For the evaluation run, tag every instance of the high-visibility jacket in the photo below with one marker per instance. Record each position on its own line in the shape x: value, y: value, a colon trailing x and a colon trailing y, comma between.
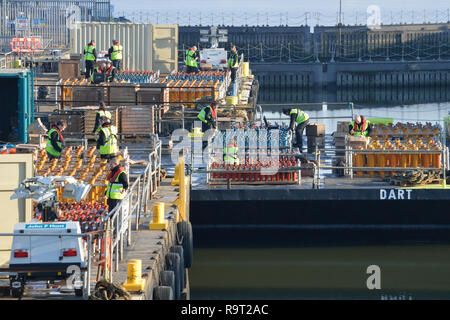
x: 49, y: 147
x: 105, y: 114
x: 233, y: 60
x: 190, y: 58
x: 96, y: 70
x: 361, y: 129
x: 110, y: 146
x: 114, y: 189
x: 89, y: 52
x: 202, y: 114
x: 116, y: 53
x: 301, y: 115
x: 109, y: 73
x: 230, y: 155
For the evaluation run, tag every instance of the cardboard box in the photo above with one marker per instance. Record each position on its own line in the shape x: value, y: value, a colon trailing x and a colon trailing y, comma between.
x: 315, y: 129
x: 339, y: 139
x: 358, y: 141
x: 307, y: 172
x: 205, y: 66
x: 342, y: 126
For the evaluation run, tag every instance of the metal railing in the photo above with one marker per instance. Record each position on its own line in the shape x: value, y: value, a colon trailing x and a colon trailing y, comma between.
x: 6, y: 59
x: 135, y: 203
x: 117, y: 222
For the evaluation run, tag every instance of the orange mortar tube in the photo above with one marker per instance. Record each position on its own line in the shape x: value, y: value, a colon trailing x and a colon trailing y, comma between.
x: 414, y: 159
x: 437, y: 159
x: 359, y: 161
x: 381, y: 162
x: 426, y: 159
x: 371, y: 162
x: 404, y: 159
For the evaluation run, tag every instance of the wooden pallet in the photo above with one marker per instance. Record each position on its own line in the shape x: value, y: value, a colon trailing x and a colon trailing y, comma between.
x: 137, y: 119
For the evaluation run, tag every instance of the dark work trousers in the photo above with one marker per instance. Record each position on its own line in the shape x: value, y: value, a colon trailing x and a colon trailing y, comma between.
x: 51, y: 157
x: 233, y: 74
x: 205, y: 127
x: 89, y: 68
x: 107, y: 156
x: 299, y: 134
x: 112, y: 203
x: 117, y: 64
x: 190, y: 69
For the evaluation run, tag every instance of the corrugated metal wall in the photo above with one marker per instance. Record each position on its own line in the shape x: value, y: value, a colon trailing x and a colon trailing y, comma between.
x: 165, y: 48
x: 145, y: 46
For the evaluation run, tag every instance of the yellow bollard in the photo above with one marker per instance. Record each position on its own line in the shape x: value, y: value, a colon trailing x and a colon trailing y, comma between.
x: 158, y: 222
x: 134, y: 276
x: 176, y: 177
x: 246, y: 69
x: 180, y: 202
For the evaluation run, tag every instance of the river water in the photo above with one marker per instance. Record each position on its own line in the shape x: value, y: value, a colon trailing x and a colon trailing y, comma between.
x: 412, y: 271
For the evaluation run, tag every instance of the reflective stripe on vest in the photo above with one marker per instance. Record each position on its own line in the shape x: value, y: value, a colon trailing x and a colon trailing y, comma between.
x: 116, y: 53
x: 230, y: 155
x: 49, y: 148
x: 301, y: 115
x: 96, y: 70
x: 202, y: 114
x: 89, y: 55
x: 110, y: 146
x: 190, y: 61
x: 114, y: 190
x: 360, y: 130
x: 109, y: 71
x: 233, y: 60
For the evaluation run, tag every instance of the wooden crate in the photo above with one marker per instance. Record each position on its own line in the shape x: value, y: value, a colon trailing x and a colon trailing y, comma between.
x: 75, y: 122
x: 137, y: 119
x: 153, y: 93
x: 87, y: 96
x: 69, y: 69
x: 90, y: 113
x: 122, y: 94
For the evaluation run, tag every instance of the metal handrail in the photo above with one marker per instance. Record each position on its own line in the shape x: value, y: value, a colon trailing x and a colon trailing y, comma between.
x: 134, y: 203
x: 4, y: 60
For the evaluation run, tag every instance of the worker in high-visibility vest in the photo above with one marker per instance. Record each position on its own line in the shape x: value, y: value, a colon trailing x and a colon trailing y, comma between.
x: 360, y: 126
x: 101, y: 112
x: 208, y: 116
x: 299, y: 119
x: 191, y: 60
x: 55, y: 140
x: 233, y: 62
x: 115, y: 54
x: 90, y: 57
x: 230, y: 153
x: 110, y: 72
x: 100, y: 70
x: 107, y: 140
x: 117, y: 184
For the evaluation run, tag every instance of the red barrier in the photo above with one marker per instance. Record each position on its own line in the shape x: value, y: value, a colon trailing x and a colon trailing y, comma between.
x: 23, y: 45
